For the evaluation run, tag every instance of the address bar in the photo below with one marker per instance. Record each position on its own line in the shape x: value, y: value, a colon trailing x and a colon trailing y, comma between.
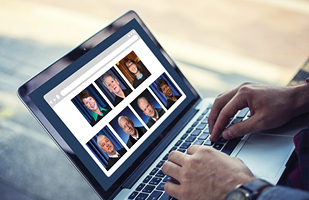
x: 91, y: 71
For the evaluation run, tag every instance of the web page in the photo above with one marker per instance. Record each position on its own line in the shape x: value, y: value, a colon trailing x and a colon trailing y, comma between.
x: 116, y: 101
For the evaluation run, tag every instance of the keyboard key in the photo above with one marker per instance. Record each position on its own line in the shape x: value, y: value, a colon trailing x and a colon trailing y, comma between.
x: 153, y: 171
x: 147, y: 179
x: 236, y: 120
x: 160, y: 163
x: 140, y: 187
x: 242, y: 113
x: 165, y: 157
x: 205, y: 121
x: 160, y: 186
x: 133, y: 195
x: 149, y: 188
x: 200, y: 118
x: 141, y: 196
x: 185, y: 145
x: 155, y: 195
x: 203, y: 136
x: 173, y: 148
x: 230, y: 146
x: 178, y: 143
x: 181, y: 150
x: 165, y: 196
x: 195, y: 124
x: 160, y: 174
x: 201, y: 126
x: 208, y: 142
x: 205, y: 112
x: 198, y: 142
x: 218, y: 146
x: 167, y: 178
x: 184, y: 136
x: 196, y: 132
x: 189, y: 130
x: 190, y: 139
x: 206, y: 130
x: 221, y: 140
x: 155, y: 181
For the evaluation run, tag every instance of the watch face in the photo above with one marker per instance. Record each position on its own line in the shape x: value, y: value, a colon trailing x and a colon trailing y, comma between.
x: 236, y: 195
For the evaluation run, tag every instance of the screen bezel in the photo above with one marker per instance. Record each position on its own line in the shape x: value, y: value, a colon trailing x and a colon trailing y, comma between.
x: 55, y: 68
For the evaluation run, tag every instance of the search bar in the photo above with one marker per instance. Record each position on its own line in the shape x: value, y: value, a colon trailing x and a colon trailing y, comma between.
x: 95, y: 68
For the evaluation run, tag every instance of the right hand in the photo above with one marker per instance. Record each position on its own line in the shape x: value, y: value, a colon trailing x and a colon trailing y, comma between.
x: 270, y: 107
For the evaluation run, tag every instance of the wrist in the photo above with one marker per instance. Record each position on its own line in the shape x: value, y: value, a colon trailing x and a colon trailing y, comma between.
x: 300, y: 95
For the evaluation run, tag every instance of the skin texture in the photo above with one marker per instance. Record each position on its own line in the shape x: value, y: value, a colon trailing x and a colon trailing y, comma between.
x: 270, y: 107
x: 203, y: 173
x: 147, y: 108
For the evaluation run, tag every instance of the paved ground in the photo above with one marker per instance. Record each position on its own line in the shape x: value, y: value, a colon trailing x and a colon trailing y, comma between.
x: 227, y: 41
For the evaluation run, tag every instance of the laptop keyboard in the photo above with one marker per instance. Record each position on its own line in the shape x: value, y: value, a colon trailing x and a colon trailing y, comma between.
x: 152, y: 187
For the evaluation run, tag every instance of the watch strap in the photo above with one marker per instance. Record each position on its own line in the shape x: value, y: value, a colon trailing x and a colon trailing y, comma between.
x: 255, y: 187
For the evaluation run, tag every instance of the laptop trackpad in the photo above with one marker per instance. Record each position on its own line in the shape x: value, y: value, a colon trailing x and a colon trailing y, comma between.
x: 265, y: 155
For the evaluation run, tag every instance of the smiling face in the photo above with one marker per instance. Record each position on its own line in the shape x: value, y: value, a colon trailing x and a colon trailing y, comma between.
x: 147, y: 108
x: 107, y: 146
x: 132, y: 67
x: 90, y: 103
x: 127, y: 126
x: 166, y: 90
x: 112, y: 84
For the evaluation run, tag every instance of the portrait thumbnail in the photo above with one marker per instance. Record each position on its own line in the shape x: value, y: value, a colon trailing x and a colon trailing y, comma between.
x: 133, y: 69
x: 128, y: 127
x: 165, y: 90
x: 148, y: 108
x: 91, y: 105
x: 106, y: 147
x: 113, y: 86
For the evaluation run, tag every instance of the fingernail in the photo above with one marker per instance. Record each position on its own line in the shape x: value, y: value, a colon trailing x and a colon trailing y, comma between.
x: 227, y: 134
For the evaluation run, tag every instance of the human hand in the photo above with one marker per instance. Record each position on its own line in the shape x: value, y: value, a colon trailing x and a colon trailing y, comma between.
x: 270, y: 107
x: 204, y: 173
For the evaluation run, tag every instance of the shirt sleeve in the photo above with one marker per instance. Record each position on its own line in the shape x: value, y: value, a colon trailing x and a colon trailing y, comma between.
x: 284, y: 193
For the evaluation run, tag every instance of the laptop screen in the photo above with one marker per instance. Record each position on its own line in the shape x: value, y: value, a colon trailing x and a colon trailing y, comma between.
x: 113, y: 101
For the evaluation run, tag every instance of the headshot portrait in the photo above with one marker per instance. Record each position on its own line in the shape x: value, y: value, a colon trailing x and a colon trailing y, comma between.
x: 113, y: 86
x: 165, y: 90
x: 128, y: 127
x: 133, y: 69
x: 147, y: 107
x: 91, y: 105
x: 106, y: 147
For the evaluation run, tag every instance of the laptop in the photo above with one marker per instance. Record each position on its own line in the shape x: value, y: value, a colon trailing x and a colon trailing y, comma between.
x: 105, y: 105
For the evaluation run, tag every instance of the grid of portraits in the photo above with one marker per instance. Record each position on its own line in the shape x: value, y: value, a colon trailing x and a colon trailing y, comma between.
x: 125, y: 130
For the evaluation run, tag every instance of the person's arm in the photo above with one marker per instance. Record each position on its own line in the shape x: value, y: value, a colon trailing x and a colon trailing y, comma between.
x: 283, y: 193
x: 270, y: 107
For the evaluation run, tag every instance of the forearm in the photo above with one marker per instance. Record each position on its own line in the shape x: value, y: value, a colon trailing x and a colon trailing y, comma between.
x: 283, y: 193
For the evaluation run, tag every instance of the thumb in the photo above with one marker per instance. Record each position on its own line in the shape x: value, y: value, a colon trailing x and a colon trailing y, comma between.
x: 239, y: 129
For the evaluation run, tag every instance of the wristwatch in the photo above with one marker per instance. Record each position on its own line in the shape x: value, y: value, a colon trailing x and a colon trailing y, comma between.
x: 249, y: 191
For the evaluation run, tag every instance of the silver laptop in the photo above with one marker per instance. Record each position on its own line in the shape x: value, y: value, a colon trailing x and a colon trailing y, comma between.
x: 82, y: 99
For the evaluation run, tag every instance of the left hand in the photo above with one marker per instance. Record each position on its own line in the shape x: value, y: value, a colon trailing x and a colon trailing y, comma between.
x: 204, y: 173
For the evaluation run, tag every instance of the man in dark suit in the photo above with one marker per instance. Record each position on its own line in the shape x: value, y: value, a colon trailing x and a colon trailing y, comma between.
x: 107, y: 146
x: 148, y: 109
x: 127, y: 126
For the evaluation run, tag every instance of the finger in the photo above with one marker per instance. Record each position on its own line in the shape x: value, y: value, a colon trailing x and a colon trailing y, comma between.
x: 219, y: 103
x: 172, y: 189
x: 227, y: 112
x: 177, y: 157
x: 192, y: 149
x: 241, y: 128
x: 171, y: 169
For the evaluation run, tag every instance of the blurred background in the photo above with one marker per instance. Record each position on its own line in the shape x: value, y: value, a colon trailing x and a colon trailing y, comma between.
x: 216, y: 44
